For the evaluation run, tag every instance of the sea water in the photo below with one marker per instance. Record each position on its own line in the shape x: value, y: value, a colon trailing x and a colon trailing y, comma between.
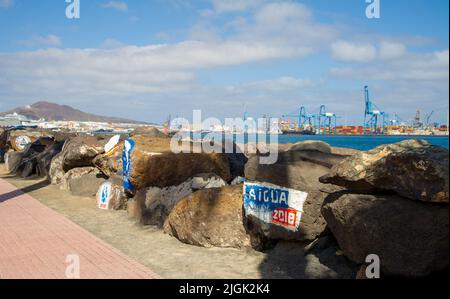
x: 363, y: 143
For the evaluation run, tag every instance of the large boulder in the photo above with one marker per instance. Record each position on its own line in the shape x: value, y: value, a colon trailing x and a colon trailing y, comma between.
x: 210, y: 218
x: 298, y: 170
x: 110, y: 163
x: 311, y: 145
x: 62, y: 136
x: 156, y: 203
x: 45, y: 158
x: 83, y: 181
x: 80, y: 151
x: 13, y: 160
x: 56, y: 172
x: 37, y: 158
x: 413, y: 168
x: 410, y: 237
x: 111, y: 196
x: 20, y: 140
x: 148, y: 132
x: 150, y: 162
x: 344, y: 151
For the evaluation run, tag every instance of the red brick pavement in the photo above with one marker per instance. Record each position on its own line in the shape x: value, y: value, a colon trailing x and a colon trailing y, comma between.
x: 37, y: 242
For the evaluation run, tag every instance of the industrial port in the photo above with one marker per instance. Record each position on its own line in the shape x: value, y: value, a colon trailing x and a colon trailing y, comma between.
x: 375, y: 122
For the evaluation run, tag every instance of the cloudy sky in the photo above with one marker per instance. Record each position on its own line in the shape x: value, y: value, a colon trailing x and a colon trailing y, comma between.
x: 146, y: 59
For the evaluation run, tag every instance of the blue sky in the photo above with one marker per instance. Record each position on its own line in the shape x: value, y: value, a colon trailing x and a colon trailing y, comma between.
x: 146, y: 59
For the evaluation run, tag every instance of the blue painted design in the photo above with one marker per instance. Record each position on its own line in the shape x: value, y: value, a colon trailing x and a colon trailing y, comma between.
x: 127, y: 164
x: 264, y: 197
x: 104, y: 194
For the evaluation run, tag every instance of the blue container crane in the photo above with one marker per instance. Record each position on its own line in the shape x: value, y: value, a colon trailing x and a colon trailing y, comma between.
x: 374, y: 118
x: 327, y: 120
x: 304, y: 118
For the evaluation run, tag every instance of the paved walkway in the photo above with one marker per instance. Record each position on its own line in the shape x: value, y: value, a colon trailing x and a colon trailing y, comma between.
x: 37, y: 242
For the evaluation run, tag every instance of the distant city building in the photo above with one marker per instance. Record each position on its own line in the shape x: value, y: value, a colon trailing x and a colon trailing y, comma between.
x: 13, y: 120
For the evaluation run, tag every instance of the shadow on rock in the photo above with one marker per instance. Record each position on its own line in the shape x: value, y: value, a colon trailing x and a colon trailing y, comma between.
x: 322, y: 260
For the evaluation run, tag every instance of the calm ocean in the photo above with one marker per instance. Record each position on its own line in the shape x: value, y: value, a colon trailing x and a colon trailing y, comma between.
x: 361, y: 142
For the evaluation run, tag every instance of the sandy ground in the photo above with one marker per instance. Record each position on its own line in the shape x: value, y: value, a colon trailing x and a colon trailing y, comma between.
x: 164, y: 254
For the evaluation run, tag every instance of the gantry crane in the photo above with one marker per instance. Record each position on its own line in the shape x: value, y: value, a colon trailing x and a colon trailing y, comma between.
x: 327, y: 120
x: 374, y: 118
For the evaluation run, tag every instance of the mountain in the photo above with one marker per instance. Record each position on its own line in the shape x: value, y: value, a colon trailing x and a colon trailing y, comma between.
x: 55, y: 112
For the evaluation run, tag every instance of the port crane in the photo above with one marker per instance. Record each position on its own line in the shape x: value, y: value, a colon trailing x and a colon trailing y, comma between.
x: 327, y: 120
x: 395, y: 121
x: 304, y: 118
x: 374, y: 118
x: 300, y: 115
x: 428, y: 117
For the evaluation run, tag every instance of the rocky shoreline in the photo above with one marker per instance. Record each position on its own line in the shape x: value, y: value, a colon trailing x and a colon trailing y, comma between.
x: 391, y: 201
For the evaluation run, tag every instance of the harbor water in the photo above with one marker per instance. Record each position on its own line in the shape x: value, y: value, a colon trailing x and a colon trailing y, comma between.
x: 363, y: 143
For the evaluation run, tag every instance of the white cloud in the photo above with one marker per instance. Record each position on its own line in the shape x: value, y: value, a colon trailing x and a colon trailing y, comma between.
x: 347, y: 51
x: 391, y: 50
x: 124, y: 71
x: 6, y: 3
x: 286, y: 24
x: 412, y: 67
x: 117, y: 72
x: 274, y: 85
x: 353, y: 52
x: 279, y: 13
x: 117, y: 5
x: 38, y: 40
x: 227, y: 6
x: 156, y: 79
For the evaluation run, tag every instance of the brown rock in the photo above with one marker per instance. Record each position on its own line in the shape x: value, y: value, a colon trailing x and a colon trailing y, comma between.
x: 110, y: 163
x: 56, y: 172
x: 148, y: 132
x: 311, y: 145
x: 113, y: 195
x: 413, y: 168
x: 21, y: 139
x: 83, y: 181
x: 343, y: 151
x: 80, y: 151
x: 13, y: 160
x: 210, y: 217
x: 156, y: 203
x: 153, y: 164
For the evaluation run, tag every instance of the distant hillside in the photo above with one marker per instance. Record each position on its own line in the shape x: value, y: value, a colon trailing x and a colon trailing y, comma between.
x: 55, y: 112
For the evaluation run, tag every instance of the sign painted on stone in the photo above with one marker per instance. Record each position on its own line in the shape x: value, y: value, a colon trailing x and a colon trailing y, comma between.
x: 22, y: 142
x: 274, y: 204
x: 126, y: 164
x: 104, y: 195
